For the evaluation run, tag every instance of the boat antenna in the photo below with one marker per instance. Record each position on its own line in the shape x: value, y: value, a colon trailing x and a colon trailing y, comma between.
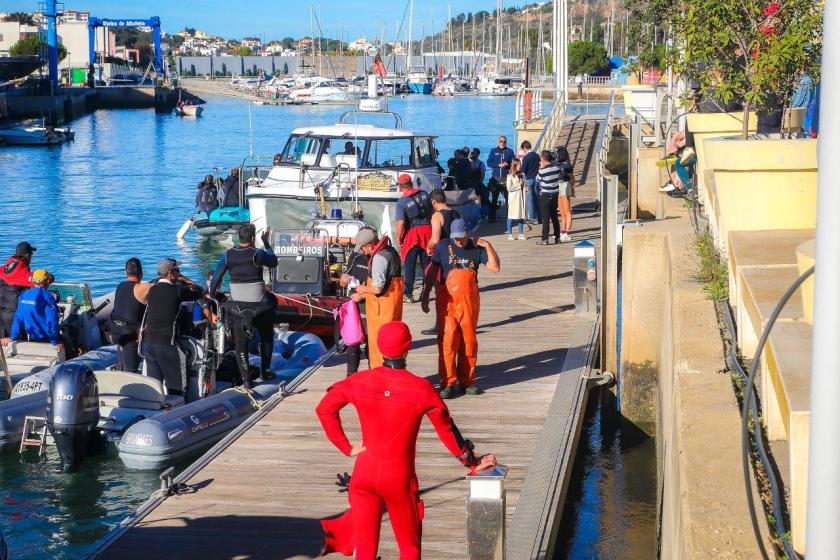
x: 250, y: 132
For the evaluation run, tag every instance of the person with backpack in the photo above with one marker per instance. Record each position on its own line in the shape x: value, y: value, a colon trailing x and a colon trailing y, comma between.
x: 413, y: 215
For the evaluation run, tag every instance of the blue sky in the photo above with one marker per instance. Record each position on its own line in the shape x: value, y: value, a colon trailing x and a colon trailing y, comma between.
x: 273, y: 19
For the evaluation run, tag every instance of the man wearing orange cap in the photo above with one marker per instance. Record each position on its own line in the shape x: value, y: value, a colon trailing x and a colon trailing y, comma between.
x: 414, y: 230
x: 391, y: 402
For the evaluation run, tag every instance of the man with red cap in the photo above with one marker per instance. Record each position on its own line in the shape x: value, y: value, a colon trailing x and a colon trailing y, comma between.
x: 391, y: 403
x: 414, y: 229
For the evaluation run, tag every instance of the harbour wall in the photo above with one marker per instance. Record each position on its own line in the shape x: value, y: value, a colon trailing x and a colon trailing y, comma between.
x: 674, y: 384
x: 327, y: 65
x: 74, y: 102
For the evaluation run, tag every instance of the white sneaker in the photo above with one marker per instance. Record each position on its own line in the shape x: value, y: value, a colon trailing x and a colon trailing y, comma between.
x: 565, y: 238
x: 510, y: 237
x: 668, y: 187
x: 521, y: 236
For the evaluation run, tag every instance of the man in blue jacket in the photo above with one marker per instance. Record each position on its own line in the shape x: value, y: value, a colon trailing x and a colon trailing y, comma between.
x: 37, y: 313
x: 498, y: 161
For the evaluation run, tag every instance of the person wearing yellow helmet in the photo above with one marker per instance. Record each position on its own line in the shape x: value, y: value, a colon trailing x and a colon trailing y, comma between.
x: 37, y: 315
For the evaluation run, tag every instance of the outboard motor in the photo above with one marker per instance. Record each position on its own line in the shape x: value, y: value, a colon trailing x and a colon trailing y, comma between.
x: 72, y: 412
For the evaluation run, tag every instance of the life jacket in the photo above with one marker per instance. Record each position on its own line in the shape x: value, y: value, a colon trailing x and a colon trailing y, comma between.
x: 15, y: 272
x: 392, y: 256
x: 14, y: 279
x: 418, y: 209
x: 127, y: 314
x: 246, y: 278
x: 208, y: 199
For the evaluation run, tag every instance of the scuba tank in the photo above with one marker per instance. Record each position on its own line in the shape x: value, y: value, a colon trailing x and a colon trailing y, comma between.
x: 72, y: 412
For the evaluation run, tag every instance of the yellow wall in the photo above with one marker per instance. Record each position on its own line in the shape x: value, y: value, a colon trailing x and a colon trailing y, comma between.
x: 712, y: 125
x: 763, y: 184
x: 805, y: 259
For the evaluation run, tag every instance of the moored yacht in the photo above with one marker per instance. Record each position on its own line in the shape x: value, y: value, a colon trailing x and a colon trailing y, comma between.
x: 351, y: 165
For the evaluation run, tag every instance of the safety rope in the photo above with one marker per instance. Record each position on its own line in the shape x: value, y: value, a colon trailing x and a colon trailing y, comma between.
x: 250, y: 394
x: 307, y: 303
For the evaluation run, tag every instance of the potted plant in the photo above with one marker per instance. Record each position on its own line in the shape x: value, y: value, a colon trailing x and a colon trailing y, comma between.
x: 753, y: 52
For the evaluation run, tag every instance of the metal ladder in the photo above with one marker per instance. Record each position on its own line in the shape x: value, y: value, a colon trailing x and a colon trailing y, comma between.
x: 34, y: 434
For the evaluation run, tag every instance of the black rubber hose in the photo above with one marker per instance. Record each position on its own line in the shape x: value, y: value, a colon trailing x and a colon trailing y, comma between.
x: 749, y: 406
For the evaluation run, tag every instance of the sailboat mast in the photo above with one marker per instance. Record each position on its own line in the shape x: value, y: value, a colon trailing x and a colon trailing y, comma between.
x: 499, y: 36
x: 410, y: 25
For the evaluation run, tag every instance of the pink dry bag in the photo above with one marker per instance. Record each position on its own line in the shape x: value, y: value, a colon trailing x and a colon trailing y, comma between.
x: 350, y: 323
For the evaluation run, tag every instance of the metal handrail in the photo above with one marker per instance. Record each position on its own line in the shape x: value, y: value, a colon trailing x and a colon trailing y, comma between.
x: 604, y: 148
x: 529, y: 106
x: 551, y: 131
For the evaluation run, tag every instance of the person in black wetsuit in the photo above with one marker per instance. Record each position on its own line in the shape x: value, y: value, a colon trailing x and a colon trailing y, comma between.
x: 251, y: 306
x: 357, y: 275
x: 127, y: 315
x: 164, y: 358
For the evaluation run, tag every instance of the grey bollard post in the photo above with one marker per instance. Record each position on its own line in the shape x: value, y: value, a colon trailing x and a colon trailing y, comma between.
x: 486, y: 514
x: 660, y: 206
x: 585, y: 279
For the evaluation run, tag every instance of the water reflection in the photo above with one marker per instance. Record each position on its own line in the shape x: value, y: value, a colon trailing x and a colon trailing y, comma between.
x: 611, y: 503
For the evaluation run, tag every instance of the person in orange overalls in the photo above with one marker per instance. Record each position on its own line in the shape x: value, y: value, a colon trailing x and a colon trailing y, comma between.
x: 391, y: 403
x: 456, y: 261
x: 383, y: 292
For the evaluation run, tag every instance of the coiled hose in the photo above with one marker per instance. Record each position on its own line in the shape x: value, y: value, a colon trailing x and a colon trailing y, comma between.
x: 750, y: 406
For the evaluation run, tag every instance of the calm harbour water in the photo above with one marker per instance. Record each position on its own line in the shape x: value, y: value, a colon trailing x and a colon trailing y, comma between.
x: 123, y: 189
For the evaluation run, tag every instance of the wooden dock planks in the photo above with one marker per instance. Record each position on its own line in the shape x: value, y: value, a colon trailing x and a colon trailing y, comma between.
x: 264, y: 496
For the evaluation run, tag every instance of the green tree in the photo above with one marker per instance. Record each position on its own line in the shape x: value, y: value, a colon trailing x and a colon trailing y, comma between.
x: 587, y: 57
x: 241, y: 50
x: 21, y: 17
x: 32, y: 46
x: 746, y: 50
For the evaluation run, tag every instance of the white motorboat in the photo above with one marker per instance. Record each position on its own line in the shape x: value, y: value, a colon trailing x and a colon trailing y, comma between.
x: 35, y: 136
x: 322, y: 90
x: 351, y: 165
x: 189, y: 110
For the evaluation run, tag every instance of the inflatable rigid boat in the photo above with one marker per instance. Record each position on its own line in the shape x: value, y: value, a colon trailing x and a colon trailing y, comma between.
x: 132, y: 415
x: 222, y: 221
x: 182, y: 431
x: 29, y: 397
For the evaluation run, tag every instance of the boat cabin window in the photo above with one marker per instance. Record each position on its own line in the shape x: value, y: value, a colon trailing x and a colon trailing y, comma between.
x: 302, y: 149
x: 423, y: 151
x: 342, y: 150
x: 388, y: 152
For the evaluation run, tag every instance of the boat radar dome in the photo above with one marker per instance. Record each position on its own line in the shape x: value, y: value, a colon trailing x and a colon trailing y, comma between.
x: 374, y: 102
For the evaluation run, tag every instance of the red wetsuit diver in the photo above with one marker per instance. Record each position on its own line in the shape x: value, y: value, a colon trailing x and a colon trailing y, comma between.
x: 391, y: 403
